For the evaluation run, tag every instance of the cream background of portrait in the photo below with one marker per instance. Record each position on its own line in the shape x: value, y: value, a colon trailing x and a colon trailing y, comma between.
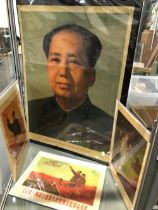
x: 111, y: 28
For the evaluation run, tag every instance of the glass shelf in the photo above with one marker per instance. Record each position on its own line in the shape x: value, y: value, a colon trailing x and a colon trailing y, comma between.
x: 111, y: 198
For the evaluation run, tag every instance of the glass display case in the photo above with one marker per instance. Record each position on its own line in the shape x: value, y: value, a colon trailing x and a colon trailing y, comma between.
x: 21, y: 56
x: 7, y: 77
x: 142, y: 96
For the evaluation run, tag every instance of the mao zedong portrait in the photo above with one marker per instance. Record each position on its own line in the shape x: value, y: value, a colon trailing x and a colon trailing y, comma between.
x: 72, y: 52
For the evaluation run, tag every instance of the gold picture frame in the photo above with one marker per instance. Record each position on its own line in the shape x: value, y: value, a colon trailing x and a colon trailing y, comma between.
x: 35, y: 22
x: 129, y: 153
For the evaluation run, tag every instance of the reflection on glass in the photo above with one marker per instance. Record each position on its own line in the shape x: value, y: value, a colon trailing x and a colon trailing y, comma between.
x: 147, y: 44
x: 7, y: 74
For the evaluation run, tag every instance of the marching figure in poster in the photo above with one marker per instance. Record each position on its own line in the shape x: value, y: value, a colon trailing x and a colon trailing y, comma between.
x: 14, y: 126
x: 75, y: 177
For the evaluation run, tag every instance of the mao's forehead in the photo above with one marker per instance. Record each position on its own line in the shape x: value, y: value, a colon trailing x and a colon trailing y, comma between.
x: 68, y: 35
x: 68, y: 42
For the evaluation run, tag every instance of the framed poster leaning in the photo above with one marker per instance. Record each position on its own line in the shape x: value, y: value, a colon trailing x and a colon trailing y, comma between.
x: 73, y: 73
x: 14, y: 130
x: 129, y: 152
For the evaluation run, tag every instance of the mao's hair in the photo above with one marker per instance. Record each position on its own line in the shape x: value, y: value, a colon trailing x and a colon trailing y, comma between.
x: 93, y: 44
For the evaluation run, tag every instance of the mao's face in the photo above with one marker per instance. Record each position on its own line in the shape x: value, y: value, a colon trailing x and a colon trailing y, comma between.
x: 68, y: 72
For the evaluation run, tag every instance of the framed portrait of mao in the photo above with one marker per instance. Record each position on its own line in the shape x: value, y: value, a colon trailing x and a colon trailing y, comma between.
x: 74, y: 65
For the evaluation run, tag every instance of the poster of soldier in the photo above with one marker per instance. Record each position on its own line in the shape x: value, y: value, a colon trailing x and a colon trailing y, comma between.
x: 130, y: 148
x: 61, y: 183
x: 13, y: 127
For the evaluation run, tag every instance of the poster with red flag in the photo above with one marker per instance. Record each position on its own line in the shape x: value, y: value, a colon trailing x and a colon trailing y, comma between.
x: 61, y: 182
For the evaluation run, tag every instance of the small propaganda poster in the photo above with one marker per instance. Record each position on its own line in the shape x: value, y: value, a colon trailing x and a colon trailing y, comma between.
x: 13, y: 127
x: 129, y: 154
x: 61, y: 183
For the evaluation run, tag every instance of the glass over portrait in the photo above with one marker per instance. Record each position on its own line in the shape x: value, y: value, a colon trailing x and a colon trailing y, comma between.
x: 72, y: 103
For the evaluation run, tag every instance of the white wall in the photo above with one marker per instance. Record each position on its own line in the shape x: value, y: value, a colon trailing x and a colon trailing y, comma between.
x: 3, y: 15
x: 16, y: 18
